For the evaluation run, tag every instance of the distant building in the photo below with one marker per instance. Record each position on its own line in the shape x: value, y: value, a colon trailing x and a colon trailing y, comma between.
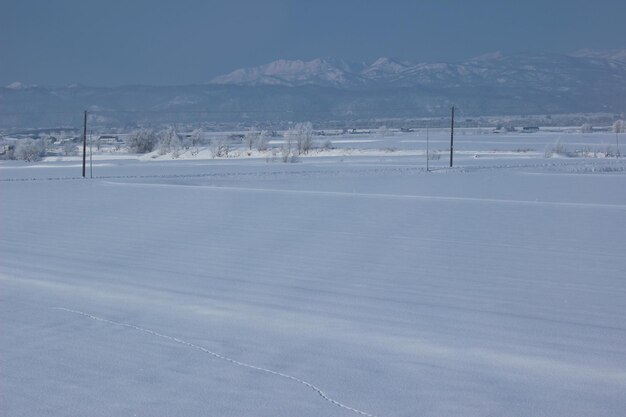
x: 504, y: 129
x: 7, y: 149
x: 530, y: 129
x: 109, y: 140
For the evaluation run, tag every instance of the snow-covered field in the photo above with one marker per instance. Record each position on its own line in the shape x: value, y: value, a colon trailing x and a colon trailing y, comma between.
x: 352, y: 282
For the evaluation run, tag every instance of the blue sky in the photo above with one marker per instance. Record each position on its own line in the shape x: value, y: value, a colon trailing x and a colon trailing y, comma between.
x: 115, y: 42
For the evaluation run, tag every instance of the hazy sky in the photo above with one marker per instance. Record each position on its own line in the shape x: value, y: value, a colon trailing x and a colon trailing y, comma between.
x: 115, y: 42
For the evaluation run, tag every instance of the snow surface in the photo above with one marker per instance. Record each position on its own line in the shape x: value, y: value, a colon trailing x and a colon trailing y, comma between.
x: 337, y: 286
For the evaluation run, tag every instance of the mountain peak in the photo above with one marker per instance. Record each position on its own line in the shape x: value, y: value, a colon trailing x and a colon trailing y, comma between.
x: 319, y: 71
x: 388, y: 65
x: 489, y: 56
x: 18, y: 85
x: 611, y: 54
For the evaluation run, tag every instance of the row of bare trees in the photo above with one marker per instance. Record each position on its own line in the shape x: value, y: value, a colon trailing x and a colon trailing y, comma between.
x: 298, y: 141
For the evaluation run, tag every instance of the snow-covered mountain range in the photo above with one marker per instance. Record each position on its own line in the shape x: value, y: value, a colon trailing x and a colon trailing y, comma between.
x: 332, y: 89
x: 326, y: 72
x: 555, y: 72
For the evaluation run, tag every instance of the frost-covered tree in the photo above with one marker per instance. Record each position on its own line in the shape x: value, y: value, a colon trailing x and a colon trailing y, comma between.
x: 558, y: 148
x: 29, y: 150
x: 70, y: 148
x: 262, y: 141
x: 169, y: 142
x: 220, y: 147
x: 302, y: 135
x: 619, y: 126
x: 197, y: 136
x: 287, y: 150
x: 385, y: 131
x: 45, y: 141
x: 193, y: 141
x: 141, y: 141
x: 250, y: 139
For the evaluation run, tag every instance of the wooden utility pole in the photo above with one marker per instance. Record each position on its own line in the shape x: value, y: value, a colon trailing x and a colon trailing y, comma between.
x: 84, y: 143
x: 452, y: 138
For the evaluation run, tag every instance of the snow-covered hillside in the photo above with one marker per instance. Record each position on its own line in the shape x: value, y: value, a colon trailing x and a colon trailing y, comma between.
x: 337, y: 286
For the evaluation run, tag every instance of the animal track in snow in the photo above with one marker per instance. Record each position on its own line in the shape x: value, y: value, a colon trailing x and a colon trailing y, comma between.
x: 219, y: 356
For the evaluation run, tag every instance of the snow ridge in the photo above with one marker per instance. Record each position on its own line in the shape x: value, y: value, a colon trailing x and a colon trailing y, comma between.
x: 219, y: 356
x: 18, y: 85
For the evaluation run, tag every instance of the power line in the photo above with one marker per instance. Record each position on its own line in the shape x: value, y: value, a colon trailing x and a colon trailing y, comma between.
x: 342, y: 112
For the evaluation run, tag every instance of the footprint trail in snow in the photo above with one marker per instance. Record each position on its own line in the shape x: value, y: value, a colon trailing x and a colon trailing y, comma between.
x: 219, y: 356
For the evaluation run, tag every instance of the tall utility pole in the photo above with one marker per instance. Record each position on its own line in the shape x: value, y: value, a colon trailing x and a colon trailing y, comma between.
x: 452, y: 138
x: 84, y: 143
